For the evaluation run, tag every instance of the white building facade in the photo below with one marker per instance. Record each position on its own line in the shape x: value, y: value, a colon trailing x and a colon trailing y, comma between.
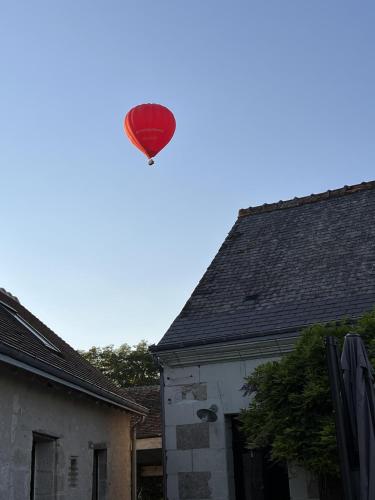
x: 200, y: 455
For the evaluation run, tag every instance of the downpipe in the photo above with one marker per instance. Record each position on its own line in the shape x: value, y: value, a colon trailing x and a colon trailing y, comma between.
x: 162, y: 400
x: 133, y: 431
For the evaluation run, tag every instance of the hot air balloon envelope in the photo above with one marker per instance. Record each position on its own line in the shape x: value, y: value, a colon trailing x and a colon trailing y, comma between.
x: 150, y: 127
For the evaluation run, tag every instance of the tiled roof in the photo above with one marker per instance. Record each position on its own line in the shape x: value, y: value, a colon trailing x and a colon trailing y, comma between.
x: 17, y: 342
x: 148, y: 396
x: 284, y: 266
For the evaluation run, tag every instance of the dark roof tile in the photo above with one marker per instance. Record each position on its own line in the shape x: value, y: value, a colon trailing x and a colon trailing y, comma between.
x: 18, y: 342
x: 148, y: 396
x: 306, y: 260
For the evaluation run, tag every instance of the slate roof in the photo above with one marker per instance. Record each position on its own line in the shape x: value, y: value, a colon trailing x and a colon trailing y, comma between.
x: 284, y: 266
x: 18, y: 343
x: 149, y: 396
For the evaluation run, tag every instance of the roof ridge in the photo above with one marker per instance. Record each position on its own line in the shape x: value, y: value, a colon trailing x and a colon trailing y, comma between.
x: 10, y: 295
x: 304, y: 200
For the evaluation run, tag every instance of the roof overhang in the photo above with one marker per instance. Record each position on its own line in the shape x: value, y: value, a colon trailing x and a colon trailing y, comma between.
x: 32, y: 365
x: 255, y: 347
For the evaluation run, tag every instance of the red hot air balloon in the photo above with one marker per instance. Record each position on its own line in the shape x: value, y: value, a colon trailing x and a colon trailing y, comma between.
x: 150, y: 127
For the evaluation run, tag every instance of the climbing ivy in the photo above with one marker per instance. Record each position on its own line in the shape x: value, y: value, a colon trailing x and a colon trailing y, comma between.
x: 291, y: 409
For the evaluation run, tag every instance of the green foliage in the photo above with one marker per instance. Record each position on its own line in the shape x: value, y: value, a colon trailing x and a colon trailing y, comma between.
x: 126, y: 366
x: 291, y: 409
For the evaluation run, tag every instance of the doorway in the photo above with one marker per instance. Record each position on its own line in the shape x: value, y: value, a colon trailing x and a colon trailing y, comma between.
x: 256, y: 476
x: 43, y: 465
x: 99, y: 478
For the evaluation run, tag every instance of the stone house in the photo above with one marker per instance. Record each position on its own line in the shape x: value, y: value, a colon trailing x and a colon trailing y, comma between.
x: 283, y: 266
x: 65, y: 429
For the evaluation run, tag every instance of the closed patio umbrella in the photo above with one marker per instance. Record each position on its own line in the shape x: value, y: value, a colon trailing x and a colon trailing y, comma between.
x: 358, y: 384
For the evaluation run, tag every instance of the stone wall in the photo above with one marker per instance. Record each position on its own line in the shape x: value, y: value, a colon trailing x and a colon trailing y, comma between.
x: 199, y: 459
x: 199, y: 453
x: 79, y: 424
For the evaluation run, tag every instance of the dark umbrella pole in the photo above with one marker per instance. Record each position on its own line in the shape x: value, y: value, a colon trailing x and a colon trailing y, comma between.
x: 338, y: 399
x: 359, y: 388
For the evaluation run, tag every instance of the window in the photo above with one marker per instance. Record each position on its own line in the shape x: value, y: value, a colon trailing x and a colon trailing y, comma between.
x: 30, y: 328
x: 99, y: 486
x: 43, y: 467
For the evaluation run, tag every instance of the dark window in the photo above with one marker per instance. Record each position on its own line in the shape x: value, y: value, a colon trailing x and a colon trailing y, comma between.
x: 99, y: 486
x: 43, y: 467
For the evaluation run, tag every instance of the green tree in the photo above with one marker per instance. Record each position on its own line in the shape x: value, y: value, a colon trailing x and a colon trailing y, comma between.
x: 291, y: 409
x: 126, y: 366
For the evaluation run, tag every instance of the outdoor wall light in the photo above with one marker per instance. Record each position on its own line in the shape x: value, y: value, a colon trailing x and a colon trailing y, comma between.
x: 208, y: 414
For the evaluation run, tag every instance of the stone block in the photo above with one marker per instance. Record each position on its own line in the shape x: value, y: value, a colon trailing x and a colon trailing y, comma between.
x: 185, y: 392
x: 217, y: 432
x: 180, y: 413
x: 172, y: 394
x: 172, y: 487
x: 214, y: 460
x: 192, y: 436
x: 197, y: 392
x: 179, y: 461
x: 219, y: 485
x: 226, y: 371
x: 194, y: 485
x: 181, y: 376
x: 170, y: 437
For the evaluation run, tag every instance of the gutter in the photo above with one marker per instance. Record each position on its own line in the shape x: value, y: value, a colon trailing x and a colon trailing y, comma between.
x: 133, y: 431
x: 201, y: 341
x: 220, y: 339
x: 37, y: 367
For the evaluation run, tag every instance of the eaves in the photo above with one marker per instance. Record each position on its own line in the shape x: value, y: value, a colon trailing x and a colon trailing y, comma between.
x: 33, y: 365
x: 252, y: 348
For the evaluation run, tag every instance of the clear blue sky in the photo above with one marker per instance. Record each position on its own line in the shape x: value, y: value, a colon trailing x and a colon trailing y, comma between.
x: 272, y: 99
